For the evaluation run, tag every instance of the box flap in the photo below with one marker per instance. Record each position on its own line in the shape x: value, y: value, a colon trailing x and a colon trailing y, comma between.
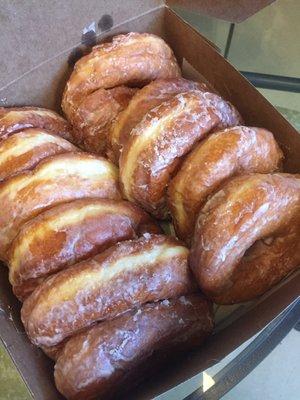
x: 43, y: 84
x: 229, y: 10
x: 35, y: 32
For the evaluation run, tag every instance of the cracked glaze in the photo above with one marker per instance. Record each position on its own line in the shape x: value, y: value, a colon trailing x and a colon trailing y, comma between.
x: 96, y: 114
x: 143, y: 101
x: 69, y: 233
x: 224, y: 154
x: 132, y: 60
x: 25, y: 149
x: 15, y: 119
x: 55, y: 180
x: 158, y: 143
x: 247, y: 237
x: 128, y: 274
x: 97, y: 363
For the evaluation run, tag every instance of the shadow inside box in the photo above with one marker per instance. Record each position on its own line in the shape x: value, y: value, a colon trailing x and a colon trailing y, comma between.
x: 35, y: 368
x: 10, y: 306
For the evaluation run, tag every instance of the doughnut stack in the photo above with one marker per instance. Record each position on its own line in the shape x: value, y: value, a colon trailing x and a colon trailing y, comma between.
x: 179, y: 146
x: 96, y: 276
x: 93, y: 271
x: 105, y: 293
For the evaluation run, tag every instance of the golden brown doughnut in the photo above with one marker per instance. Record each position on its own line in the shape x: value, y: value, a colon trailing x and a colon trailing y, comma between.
x: 143, y: 101
x: 222, y: 155
x: 157, y: 144
x: 133, y: 59
x: 247, y: 237
x: 15, y: 119
x: 55, y: 180
x: 126, y: 275
x: 69, y: 233
x: 25, y: 149
x: 109, y: 356
x: 95, y: 93
x: 95, y: 115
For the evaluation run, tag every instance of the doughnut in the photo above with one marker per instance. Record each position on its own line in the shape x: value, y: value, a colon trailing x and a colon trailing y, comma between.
x: 142, y: 102
x: 247, y: 237
x: 69, y: 233
x: 230, y: 152
x: 57, y: 179
x: 113, y: 354
x: 15, y: 119
x: 157, y: 144
x: 98, y: 87
x: 133, y: 59
x: 25, y: 149
x: 95, y: 115
x: 126, y: 275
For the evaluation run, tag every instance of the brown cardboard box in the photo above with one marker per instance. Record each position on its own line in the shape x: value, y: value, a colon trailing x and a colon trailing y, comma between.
x: 39, y: 43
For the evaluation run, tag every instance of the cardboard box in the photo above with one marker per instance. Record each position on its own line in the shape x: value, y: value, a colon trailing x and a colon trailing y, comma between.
x: 40, y: 41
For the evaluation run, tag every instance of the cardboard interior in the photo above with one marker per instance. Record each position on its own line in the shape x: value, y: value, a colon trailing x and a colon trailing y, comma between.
x: 35, y: 71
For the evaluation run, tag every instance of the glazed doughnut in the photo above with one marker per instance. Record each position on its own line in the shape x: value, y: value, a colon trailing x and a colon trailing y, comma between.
x: 133, y: 59
x: 222, y: 155
x: 111, y: 355
x: 247, y: 237
x: 15, y: 119
x: 25, y: 149
x: 69, y: 233
x: 55, y: 180
x: 157, y: 144
x: 128, y: 274
x: 94, y: 117
x: 143, y: 101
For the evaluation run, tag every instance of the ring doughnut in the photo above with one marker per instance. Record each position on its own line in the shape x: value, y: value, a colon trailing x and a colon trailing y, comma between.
x: 247, y: 237
x: 150, y: 96
x: 141, y: 57
x: 222, y: 155
x: 15, y: 119
x: 25, y: 149
x: 126, y: 275
x: 157, y: 144
x: 102, y: 361
x: 55, y: 180
x: 69, y: 233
